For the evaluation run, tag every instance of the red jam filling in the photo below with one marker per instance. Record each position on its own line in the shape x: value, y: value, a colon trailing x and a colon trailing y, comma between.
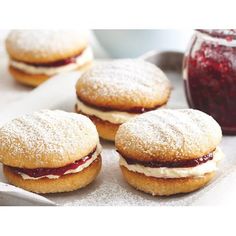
x: 171, y: 164
x: 130, y: 110
x: 210, y: 83
x: 40, y: 172
x: 56, y: 63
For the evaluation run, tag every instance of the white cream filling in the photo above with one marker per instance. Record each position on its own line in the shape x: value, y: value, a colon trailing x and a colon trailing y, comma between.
x: 164, y: 172
x: 72, y: 171
x: 82, y: 59
x: 115, y: 117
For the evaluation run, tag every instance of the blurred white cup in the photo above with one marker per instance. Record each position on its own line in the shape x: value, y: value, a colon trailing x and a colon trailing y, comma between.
x: 133, y: 43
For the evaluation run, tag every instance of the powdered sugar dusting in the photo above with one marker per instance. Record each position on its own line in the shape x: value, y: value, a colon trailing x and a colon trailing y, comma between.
x: 35, y: 138
x: 169, y: 133
x: 42, y: 43
x: 135, y: 80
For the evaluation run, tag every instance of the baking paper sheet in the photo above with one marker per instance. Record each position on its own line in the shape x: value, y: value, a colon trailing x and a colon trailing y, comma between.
x: 110, y: 188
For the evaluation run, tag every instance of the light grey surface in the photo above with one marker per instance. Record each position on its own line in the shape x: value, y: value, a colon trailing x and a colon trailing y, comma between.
x: 110, y: 188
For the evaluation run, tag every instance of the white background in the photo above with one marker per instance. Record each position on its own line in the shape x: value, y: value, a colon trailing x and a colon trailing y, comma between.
x: 117, y: 14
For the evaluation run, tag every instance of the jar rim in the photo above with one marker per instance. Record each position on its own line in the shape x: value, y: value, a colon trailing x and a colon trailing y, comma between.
x: 227, y: 34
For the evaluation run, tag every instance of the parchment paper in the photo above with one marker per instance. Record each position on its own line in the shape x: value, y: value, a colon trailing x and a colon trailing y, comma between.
x: 110, y: 188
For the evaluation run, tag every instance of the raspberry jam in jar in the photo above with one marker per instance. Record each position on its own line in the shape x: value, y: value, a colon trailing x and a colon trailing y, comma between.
x: 209, y: 72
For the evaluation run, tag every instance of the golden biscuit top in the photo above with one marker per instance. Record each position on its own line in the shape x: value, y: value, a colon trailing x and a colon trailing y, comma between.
x: 44, y: 46
x: 47, y: 139
x: 124, y: 84
x: 168, y: 135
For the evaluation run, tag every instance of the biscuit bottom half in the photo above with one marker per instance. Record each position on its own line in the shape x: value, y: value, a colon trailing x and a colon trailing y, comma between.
x: 64, y: 183
x: 106, y: 129
x: 35, y: 80
x: 165, y: 186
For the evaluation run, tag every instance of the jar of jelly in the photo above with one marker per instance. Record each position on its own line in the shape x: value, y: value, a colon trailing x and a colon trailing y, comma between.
x: 209, y: 72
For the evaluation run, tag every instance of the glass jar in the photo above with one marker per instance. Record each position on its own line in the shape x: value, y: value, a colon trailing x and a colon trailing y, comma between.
x: 209, y: 73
